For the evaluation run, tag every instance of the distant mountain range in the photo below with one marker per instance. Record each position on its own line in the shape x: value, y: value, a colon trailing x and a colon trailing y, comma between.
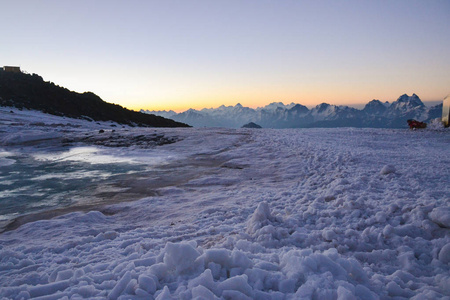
x: 278, y: 115
x: 32, y: 92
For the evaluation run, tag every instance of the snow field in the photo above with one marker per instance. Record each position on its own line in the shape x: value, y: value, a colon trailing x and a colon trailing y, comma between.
x: 284, y: 214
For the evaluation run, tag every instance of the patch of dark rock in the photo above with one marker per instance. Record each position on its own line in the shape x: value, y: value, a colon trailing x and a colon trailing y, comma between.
x: 22, y: 90
x: 251, y: 125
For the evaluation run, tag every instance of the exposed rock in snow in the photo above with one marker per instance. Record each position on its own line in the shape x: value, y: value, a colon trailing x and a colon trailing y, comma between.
x: 251, y: 125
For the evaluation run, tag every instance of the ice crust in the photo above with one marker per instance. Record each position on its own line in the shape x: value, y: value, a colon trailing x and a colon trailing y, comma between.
x: 293, y: 214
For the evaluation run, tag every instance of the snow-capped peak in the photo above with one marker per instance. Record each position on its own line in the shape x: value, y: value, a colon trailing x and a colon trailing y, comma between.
x: 321, y: 107
x: 407, y: 103
x: 413, y: 101
x: 274, y: 106
x: 375, y: 107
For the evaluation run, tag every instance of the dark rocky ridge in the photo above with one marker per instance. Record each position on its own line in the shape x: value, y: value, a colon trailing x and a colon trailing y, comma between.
x: 32, y: 92
x: 251, y: 125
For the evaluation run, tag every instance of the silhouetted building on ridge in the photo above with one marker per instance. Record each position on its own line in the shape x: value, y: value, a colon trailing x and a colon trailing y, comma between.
x: 11, y: 69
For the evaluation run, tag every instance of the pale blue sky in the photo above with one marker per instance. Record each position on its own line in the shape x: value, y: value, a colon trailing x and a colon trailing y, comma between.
x: 181, y: 54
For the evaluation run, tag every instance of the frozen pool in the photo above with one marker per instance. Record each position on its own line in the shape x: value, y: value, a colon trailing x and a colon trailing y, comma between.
x: 74, y: 177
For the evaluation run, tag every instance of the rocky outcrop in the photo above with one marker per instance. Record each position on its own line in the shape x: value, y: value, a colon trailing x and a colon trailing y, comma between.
x: 32, y: 92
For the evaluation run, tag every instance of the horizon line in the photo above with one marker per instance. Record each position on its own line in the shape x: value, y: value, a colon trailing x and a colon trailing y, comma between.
x: 353, y: 105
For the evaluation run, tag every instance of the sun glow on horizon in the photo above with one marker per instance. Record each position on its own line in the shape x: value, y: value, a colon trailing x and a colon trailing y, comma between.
x: 158, y: 56
x: 136, y: 94
x: 254, y: 97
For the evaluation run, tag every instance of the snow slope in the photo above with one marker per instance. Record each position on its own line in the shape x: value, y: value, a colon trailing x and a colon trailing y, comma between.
x: 272, y: 214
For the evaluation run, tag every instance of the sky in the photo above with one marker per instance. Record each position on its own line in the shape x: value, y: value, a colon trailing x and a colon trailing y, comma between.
x: 162, y: 55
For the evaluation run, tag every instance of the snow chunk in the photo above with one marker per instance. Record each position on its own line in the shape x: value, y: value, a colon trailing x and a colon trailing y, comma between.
x: 147, y: 283
x: 444, y: 254
x: 218, y: 256
x: 201, y: 292
x: 441, y: 216
x: 260, y: 218
x: 237, y: 283
x: 48, y: 289
x: 206, y: 280
x: 181, y: 257
x: 396, y: 290
x: 64, y: 275
x: 329, y: 235
x: 120, y: 286
x: 344, y: 294
x: 165, y: 294
x: 388, y: 169
x: 234, y: 295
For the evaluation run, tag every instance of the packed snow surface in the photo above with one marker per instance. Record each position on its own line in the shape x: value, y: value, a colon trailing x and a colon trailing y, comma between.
x: 253, y: 214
